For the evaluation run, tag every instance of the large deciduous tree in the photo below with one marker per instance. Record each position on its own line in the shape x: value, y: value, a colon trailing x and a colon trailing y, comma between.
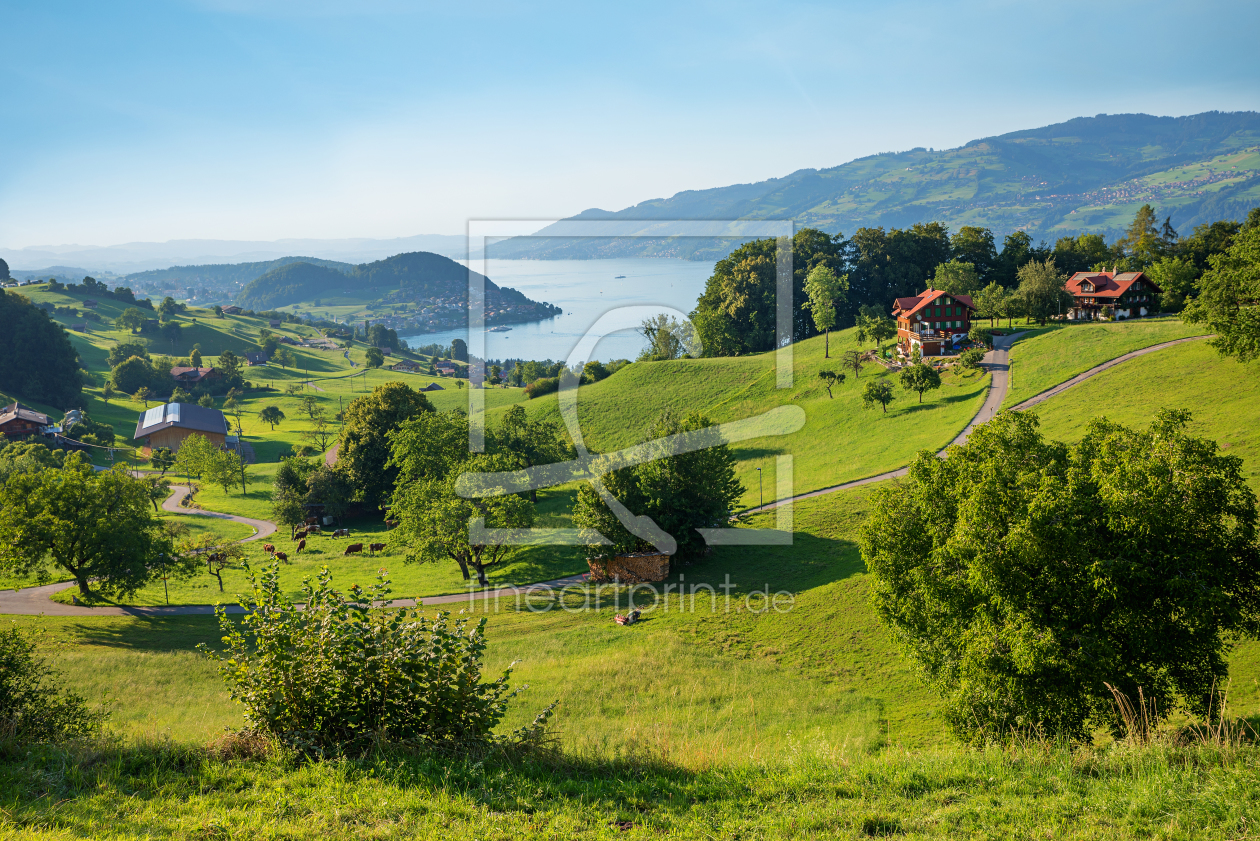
x: 681, y: 493
x: 97, y: 527
x: 1042, y: 290
x: 363, y: 443
x: 1229, y: 298
x: 1024, y: 575
x: 957, y: 278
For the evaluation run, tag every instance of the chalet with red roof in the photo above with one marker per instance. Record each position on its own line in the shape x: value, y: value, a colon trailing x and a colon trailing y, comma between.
x: 1128, y: 294
x: 933, y: 321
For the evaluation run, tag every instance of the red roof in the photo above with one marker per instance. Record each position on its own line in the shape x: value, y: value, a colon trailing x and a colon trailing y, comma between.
x: 910, y: 306
x: 1106, y: 284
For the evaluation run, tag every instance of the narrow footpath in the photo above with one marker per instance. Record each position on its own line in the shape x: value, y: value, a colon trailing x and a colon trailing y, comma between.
x: 36, y: 600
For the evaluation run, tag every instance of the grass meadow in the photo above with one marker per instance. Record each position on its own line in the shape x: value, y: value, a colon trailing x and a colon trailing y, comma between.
x: 721, y: 719
x: 804, y: 723
x: 1047, y: 357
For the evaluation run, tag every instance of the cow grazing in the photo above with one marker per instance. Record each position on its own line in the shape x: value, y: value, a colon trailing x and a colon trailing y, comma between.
x: 269, y: 549
x: 353, y: 549
x: 373, y: 548
x: 281, y: 557
x: 310, y: 521
x: 301, y: 545
x: 300, y: 534
x: 341, y: 533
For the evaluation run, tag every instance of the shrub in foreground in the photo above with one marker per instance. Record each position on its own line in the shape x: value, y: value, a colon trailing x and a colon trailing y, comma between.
x: 1026, y: 577
x: 33, y: 707
x: 337, y: 677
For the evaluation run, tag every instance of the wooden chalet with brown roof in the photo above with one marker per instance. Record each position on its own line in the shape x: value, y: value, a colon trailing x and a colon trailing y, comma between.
x: 1128, y: 294
x: 184, y: 374
x: 17, y: 420
x: 933, y: 321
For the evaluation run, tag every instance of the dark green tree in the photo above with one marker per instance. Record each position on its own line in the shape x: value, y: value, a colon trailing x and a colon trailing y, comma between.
x: 271, y: 415
x: 877, y: 392
x: 374, y: 358
x: 364, y: 448
x: 96, y: 527
x: 974, y: 246
x: 37, y: 361
x: 1023, y: 576
x: 1229, y: 298
x: 830, y: 379
x: 680, y: 493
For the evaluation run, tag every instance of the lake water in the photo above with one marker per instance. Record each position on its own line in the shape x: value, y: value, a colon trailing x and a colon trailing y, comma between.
x: 586, y: 289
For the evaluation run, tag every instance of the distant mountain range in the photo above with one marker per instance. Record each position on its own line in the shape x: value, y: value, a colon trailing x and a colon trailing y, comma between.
x: 135, y: 257
x: 1087, y: 174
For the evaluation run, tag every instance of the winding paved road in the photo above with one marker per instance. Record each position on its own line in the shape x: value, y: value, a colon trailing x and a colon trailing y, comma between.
x: 35, y: 600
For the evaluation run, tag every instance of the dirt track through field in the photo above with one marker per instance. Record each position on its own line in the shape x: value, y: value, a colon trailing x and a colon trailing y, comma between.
x: 36, y: 600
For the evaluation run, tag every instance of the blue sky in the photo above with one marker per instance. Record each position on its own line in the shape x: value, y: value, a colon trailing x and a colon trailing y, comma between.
x: 262, y: 120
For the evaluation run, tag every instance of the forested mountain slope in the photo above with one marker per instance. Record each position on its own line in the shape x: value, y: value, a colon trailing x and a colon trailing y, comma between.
x: 1088, y: 174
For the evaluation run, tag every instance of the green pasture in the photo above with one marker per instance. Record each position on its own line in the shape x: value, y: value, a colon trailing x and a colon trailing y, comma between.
x: 722, y: 721
x: 841, y: 440
x: 1041, y: 360
x: 1221, y: 393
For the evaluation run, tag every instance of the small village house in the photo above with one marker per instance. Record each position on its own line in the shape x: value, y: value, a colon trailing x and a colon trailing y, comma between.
x: 445, y: 369
x: 275, y: 322
x: 933, y: 321
x: 232, y: 310
x: 385, y: 351
x: 90, y: 304
x: 257, y: 358
x: 193, y: 376
x: 405, y: 366
x: 433, y: 387
x: 17, y: 420
x: 1128, y: 294
x: 168, y: 425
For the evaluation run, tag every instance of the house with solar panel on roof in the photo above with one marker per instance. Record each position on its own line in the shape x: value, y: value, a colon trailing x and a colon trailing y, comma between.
x: 168, y: 425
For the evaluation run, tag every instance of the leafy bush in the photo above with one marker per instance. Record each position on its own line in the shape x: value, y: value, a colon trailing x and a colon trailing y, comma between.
x: 539, y: 387
x: 33, y: 708
x: 337, y: 677
x: 971, y: 358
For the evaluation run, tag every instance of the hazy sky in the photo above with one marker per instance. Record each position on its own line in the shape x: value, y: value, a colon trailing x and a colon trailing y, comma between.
x: 261, y: 120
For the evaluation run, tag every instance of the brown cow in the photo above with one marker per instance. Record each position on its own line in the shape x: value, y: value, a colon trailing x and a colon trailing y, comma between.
x: 301, y: 545
x: 373, y: 548
x: 300, y: 534
x: 341, y: 533
x: 310, y: 521
x: 353, y: 549
x: 281, y: 557
x: 269, y: 549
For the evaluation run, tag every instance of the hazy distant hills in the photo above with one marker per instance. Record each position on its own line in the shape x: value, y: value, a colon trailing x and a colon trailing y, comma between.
x: 1087, y: 174
x: 137, y: 257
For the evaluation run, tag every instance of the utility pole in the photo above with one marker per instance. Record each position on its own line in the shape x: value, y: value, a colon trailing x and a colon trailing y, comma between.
x: 761, y: 489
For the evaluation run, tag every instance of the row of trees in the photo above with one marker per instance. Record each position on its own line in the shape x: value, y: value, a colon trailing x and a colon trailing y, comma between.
x: 38, y: 361
x: 838, y: 281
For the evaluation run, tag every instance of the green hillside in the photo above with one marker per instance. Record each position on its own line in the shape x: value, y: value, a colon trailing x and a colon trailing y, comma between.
x: 841, y: 440
x: 1045, y: 357
x: 416, y: 276
x: 1221, y: 393
x: 1085, y: 175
